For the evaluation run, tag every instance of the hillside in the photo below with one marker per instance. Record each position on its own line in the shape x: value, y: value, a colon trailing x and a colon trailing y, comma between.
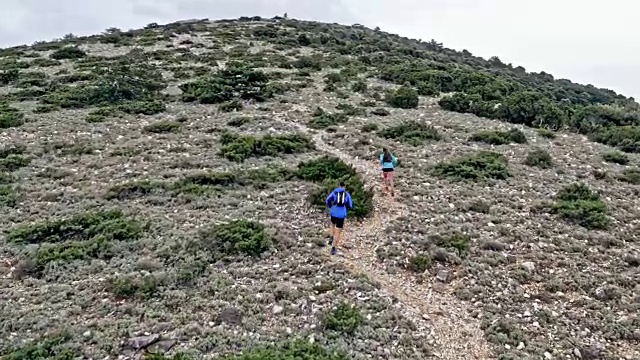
x: 162, y: 197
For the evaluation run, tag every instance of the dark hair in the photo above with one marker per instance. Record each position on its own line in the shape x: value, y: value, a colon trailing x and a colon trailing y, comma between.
x: 341, y: 183
x: 384, y: 150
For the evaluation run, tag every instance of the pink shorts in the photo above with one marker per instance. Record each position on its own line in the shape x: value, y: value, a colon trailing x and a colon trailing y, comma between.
x: 387, y: 175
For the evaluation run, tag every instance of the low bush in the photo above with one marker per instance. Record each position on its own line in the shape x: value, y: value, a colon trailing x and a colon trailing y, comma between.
x: 495, y: 137
x: 631, y: 176
x: 132, y: 287
x: 539, y: 158
x: 83, y: 236
x: 578, y: 204
x: 135, y: 189
x: 237, y: 237
x: 380, y: 112
x: 625, y: 138
x: 479, y: 166
x: 164, y: 126
x: 419, y: 263
x: 53, y: 347
x: 234, y: 82
x: 344, y: 318
x: 10, y: 117
x: 8, y: 195
x: 13, y: 162
x: 616, y: 157
x: 68, y: 52
x: 298, y: 349
x: 458, y: 242
x: 231, y: 105
x: 411, y: 132
x: 323, y: 120
x: 239, y: 148
x: 405, y: 97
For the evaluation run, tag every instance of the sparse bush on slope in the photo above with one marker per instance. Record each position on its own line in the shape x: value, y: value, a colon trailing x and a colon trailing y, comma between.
x: 411, y: 132
x: 10, y: 117
x: 239, y: 148
x: 539, y: 158
x: 404, y: 97
x: 68, y: 52
x: 234, y: 82
x: 495, y: 137
x: 578, y: 204
x: 479, y: 166
x: 83, y: 236
x: 237, y: 237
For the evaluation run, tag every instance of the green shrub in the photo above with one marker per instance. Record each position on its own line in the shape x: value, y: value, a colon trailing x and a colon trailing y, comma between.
x: 546, y: 133
x: 616, y: 157
x: 322, y: 119
x: 404, y: 97
x: 13, y: 162
x: 230, y: 83
x: 8, y: 195
x: 578, y: 204
x: 129, y: 287
x: 10, y: 117
x: 119, y: 84
x: 83, y: 236
x: 458, y: 242
x: 631, y: 176
x: 539, y: 158
x: 164, y: 126
x: 419, y: 263
x: 100, y: 114
x: 298, y: 349
x: 68, y: 52
x: 239, y: 121
x: 350, y: 110
x: 344, y: 318
x: 625, y: 138
x: 411, y: 132
x: 204, y: 182
x: 9, y: 76
x: 495, y: 137
x: 237, y: 237
x: 231, y: 105
x: 52, y: 347
x: 324, y: 168
x: 134, y: 189
x: 239, y: 148
x: 479, y: 166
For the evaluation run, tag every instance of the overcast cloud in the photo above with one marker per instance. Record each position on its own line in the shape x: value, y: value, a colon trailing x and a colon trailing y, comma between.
x: 586, y: 41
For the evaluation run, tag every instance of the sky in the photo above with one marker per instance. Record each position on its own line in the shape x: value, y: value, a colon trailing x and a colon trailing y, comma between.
x: 586, y: 41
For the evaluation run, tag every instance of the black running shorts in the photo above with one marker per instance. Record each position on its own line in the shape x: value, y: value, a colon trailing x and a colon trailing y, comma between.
x: 338, y: 222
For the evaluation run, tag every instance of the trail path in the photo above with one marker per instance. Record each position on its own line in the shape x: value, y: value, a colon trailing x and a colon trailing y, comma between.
x: 452, y: 332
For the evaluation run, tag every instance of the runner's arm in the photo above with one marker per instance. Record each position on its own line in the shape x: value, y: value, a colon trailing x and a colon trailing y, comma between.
x: 329, y: 199
x: 394, y: 159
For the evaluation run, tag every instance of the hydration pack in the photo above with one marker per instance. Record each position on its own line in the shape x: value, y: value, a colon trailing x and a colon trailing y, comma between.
x: 341, y: 199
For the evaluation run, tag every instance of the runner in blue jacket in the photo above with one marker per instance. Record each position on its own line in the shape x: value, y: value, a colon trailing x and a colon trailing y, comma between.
x: 338, y: 200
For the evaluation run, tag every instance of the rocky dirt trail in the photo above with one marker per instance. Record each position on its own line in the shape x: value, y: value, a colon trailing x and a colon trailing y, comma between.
x: 444, y: 319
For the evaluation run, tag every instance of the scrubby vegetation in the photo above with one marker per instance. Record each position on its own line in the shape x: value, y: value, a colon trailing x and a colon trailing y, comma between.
x: 495, y: 137
x: 539, y: 158
x: 479, y: 166
x: 411, y: 132
x: 239, y: 148
x: 578, y: 204
x: 237, y: 237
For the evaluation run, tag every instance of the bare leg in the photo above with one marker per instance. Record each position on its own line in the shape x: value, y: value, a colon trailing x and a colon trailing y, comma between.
x: 390, y: 180
x: 338, y: 238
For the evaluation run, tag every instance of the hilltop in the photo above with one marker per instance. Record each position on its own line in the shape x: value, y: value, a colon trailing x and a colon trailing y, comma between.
x: 162, y: 193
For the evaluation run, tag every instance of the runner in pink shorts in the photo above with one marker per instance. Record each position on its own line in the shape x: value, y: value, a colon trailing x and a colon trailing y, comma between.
x: 388, y: 162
